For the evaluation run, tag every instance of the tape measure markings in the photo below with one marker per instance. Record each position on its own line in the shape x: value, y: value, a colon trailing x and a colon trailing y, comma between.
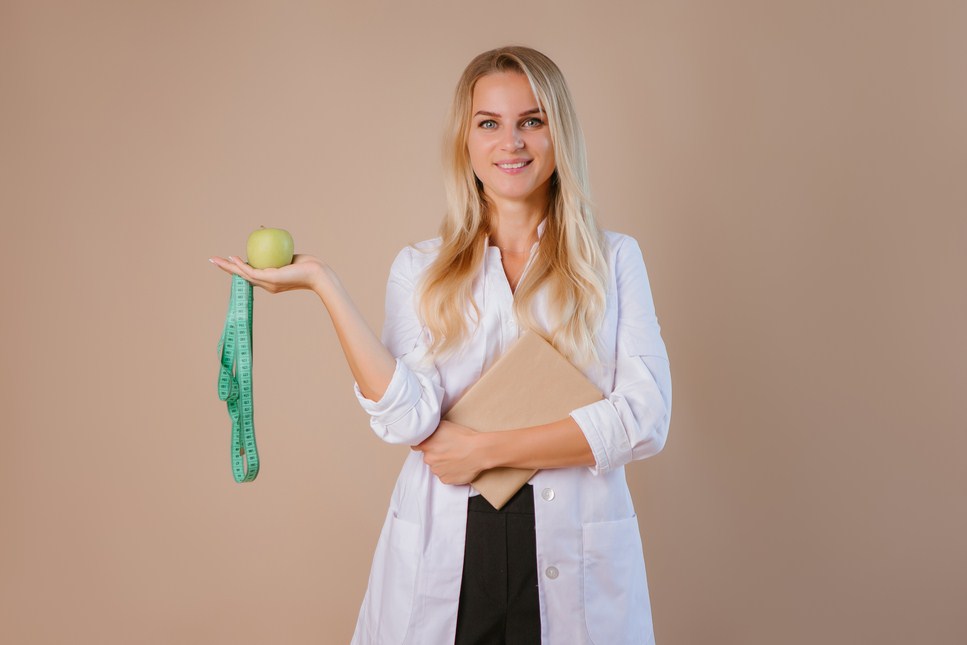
x: 235, y: 379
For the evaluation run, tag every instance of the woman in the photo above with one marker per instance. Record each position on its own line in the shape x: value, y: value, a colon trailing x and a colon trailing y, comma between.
x: 519, y: 249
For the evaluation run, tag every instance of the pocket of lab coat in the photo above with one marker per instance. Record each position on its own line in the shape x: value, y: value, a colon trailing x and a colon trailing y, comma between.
x: 399, y: 579
x: 616, y: 604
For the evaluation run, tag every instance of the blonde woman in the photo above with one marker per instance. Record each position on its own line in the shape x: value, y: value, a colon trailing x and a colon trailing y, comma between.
x: 519, y: 248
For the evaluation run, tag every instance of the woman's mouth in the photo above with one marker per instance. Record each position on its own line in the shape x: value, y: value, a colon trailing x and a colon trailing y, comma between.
x: 514, y: 166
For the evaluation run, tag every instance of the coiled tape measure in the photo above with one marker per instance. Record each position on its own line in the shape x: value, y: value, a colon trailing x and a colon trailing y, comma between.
x: 235, y: 379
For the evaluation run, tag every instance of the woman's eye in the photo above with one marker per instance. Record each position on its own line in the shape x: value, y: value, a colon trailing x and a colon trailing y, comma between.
x: 533, y: 122
x: 489, y: 124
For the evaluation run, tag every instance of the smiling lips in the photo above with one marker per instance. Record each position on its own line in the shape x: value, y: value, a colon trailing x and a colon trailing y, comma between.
x: 513, y: 166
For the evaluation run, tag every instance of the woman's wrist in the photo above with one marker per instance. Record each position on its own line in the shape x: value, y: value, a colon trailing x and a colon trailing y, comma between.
x: 492, y: 449
x: 325, y: 282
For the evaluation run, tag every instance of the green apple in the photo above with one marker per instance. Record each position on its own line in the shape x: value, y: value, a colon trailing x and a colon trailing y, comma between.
x: 270, y: 248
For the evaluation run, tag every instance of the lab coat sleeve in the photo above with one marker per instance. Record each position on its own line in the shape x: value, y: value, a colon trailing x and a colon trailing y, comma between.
x: 409, y: 410
x: 632, y: 422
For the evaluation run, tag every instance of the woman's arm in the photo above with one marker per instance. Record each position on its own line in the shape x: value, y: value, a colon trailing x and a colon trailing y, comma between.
x: 457, y: 454
x: 371, y: 363
x: 401, y: 393
x: 632, y: 422
x: 553, y: 445
x: 407, y: 409
x: 399, y: 390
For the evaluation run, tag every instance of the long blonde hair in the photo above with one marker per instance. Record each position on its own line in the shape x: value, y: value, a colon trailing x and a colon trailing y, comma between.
x: 571, y: 260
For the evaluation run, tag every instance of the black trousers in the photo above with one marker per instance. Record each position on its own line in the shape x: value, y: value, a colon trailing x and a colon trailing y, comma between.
x: 499, y: 604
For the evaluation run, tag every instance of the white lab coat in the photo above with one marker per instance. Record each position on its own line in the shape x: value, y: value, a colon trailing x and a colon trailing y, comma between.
x: 592, y: 582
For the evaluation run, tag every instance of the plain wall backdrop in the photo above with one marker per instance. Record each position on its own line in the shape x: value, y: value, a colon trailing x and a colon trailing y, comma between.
x: 794, y: 173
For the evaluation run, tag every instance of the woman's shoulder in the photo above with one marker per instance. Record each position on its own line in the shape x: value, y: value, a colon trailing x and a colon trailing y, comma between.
x: 415, y: 257
x: 621, y: 243
x: 427, y: 247
x: 614, y: 238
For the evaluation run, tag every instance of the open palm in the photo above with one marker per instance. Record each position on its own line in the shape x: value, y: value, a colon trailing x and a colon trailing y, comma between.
x: 302, y: 273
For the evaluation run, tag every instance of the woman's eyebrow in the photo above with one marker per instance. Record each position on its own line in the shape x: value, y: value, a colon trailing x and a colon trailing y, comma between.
x: 530, y: 111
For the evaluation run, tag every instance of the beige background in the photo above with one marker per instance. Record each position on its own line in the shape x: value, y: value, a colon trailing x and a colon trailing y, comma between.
x: 794, y: 172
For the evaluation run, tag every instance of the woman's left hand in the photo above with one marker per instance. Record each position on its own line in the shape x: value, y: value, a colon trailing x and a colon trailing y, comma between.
x: 453, y: 453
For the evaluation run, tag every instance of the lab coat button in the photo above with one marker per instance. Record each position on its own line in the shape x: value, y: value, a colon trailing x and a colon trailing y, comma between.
x: 547, y: 494
x: 551, y: 572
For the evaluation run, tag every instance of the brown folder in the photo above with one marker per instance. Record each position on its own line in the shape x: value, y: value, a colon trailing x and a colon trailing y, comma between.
x: 530, y: 384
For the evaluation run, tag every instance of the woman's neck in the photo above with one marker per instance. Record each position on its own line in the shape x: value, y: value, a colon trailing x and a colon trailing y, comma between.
x: 513, y: 226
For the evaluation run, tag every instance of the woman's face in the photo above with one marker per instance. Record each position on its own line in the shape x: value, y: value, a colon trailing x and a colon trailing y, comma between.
x: 509, y: 142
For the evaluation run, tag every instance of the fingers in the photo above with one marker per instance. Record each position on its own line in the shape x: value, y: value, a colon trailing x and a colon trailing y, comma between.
x: 235, y: 266
x: 239, y: 268
x: 222, y: 264
x: 227, y: 265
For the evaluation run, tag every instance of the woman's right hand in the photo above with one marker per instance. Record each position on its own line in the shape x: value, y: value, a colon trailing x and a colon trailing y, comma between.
x: 370, y: 362
x: 304, y: 272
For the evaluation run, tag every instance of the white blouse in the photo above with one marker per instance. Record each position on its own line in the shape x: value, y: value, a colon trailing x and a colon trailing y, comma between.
x: 593, y: 586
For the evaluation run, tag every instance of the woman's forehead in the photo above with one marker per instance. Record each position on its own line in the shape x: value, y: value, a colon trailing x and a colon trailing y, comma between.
x: 504, y: 90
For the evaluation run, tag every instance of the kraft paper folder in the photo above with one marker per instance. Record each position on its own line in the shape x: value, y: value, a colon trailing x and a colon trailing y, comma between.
x: 530, y: 384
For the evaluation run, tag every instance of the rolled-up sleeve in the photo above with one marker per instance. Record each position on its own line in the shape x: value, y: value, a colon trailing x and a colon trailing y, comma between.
x: 632, y: 422
x: 409, y: 410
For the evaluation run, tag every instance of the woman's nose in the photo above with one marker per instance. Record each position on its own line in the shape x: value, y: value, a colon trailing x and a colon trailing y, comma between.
x: 513, y: 140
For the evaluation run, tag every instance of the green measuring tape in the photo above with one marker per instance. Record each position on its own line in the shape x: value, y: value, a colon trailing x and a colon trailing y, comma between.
x: 235, y: 352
